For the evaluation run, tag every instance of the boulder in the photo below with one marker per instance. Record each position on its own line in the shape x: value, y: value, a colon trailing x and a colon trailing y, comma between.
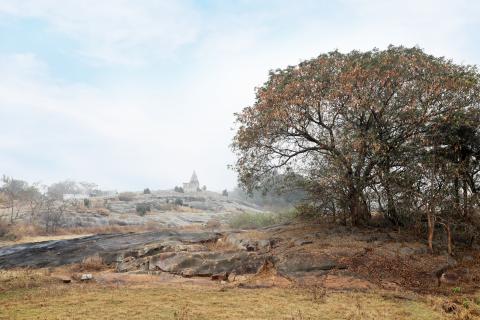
x: 223, y: 276
x: 86, y: 277
x: 236, y: 240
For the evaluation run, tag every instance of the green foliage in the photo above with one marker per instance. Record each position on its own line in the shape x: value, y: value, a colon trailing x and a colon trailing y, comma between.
x: 142, y: 208
x: 146, y: 191
x: 456, y: 289
x: 87, y: 203
x: 253, y: 220
x: 178, y: 202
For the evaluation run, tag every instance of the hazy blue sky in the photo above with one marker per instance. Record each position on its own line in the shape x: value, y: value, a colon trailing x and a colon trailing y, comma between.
x: 138, y: 93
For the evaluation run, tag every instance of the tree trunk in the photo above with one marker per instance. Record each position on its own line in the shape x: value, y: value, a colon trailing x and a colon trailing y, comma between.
x: 431, y: 228
x: 359, y: 213
x: 391, y: 210
x: 466, y: 210
x: 449, y: 239
x: 456, y: 192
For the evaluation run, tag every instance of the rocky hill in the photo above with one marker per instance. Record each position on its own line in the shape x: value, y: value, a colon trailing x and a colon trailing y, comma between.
x: 166, y: 208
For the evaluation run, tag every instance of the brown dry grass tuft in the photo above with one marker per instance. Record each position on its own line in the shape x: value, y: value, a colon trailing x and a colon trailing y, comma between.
x: 92, y: 263
x: 183, y: 314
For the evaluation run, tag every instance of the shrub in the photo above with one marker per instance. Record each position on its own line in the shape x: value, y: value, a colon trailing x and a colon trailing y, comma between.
x: 91, y: 263
x: 126, y: 196
x: 225, y: 193
x: 146, y: 191
x: 4, y: 229
x: 178, y: 189
x: 178, y: 202
x: 253, y: 220
x: 143, y: 208
x: 87, y: 203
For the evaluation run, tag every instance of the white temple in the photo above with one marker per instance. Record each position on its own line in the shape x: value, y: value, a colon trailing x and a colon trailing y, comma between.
x: 193, y: 185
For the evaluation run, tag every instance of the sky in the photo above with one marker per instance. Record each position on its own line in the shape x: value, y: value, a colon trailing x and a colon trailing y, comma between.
x: 139, y: 93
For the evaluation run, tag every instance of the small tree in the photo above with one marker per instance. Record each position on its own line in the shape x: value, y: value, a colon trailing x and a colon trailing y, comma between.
x: 14, y: 190
x: 146, y: 191
x: 34, y: 199
x: 225, y: 193
x: 53, y: 213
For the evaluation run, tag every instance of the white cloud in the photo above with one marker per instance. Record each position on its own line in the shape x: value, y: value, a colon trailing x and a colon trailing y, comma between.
x: 127, y: 32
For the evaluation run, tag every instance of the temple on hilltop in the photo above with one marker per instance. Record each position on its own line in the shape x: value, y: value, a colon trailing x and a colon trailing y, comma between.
x: 193, y: 185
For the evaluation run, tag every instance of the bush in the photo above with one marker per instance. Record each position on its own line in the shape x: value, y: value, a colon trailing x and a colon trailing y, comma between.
x: 91, y: 263
x: 252, y: 220
x: 146, y: 191
x: 4, y: 229
x: 126, y: 196
x: 143, y: 208
x: 87, y: 203
x: 178, y: 189
x: 178, y: 202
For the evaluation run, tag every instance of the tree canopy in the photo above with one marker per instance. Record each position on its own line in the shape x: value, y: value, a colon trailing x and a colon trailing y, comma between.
x: 378, y: 131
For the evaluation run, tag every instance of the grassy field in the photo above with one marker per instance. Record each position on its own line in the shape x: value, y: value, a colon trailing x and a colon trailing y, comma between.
x: 182, y: 301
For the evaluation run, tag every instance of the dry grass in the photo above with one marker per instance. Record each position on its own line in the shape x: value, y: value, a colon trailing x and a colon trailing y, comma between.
x: 24, y: 279
x: 193, y: 302
x: 89, y: 264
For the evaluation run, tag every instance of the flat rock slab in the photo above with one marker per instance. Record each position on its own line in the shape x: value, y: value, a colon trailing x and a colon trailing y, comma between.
x: 206, y: 263
x: 108, y: 246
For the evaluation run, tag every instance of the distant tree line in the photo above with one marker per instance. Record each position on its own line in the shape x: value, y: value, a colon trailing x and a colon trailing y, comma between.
x: 41, y: 204
x: 394, y: 133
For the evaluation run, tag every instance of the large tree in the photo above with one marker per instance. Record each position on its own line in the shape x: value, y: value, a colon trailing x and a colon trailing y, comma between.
x: 354, y: 122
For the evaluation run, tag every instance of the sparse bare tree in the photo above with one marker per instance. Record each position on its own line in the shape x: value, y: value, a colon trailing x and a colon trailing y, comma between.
x: 58, y: 190
x: 14, y: 190
x: 34, y: 200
